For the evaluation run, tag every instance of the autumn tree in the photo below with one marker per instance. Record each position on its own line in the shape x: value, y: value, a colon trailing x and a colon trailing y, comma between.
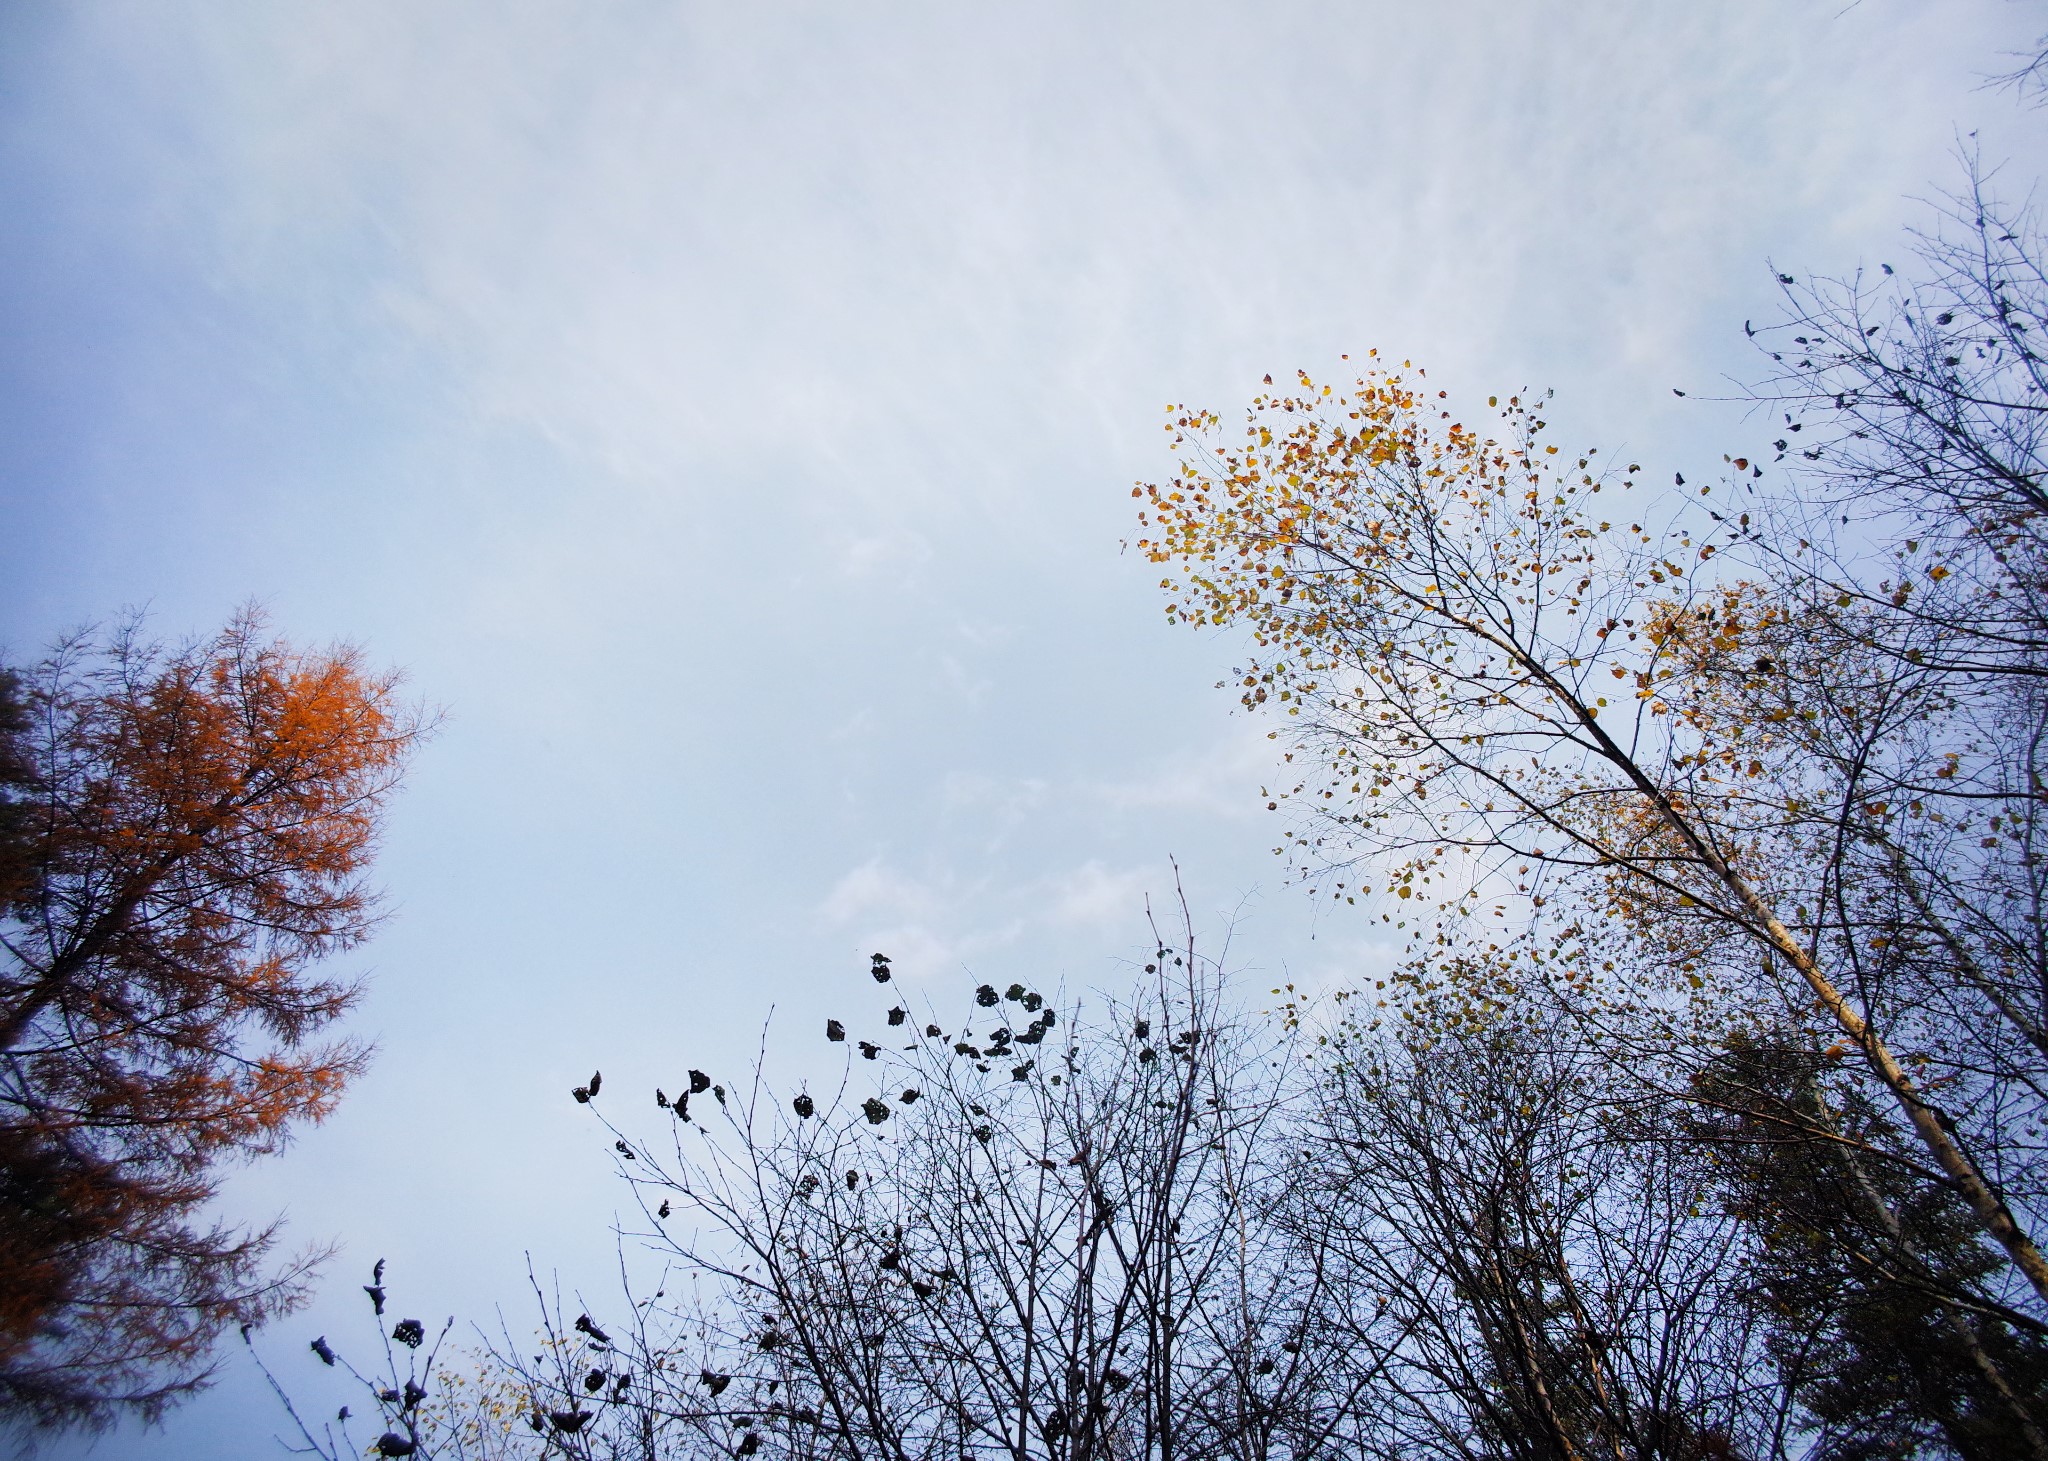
x: 1513, y: 699
x: 16, y: 776
x: 187, y: 834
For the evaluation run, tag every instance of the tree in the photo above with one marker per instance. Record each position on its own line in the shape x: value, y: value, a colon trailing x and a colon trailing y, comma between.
x: 1171, y: 1234
x: 17, y: 775
x: 1041, y: 1236
x: 1872, y: 1281
x: 1034, y: 1234
x: 188, y: 833
x: 1530, y: 1266
x: 1729, y: 792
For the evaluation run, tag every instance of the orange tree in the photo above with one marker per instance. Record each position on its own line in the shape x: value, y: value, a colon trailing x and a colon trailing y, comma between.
x: 187, y: 833
x: 1510, y: 697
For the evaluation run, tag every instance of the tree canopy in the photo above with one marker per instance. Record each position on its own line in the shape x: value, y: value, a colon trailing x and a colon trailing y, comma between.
x: 187, y: 833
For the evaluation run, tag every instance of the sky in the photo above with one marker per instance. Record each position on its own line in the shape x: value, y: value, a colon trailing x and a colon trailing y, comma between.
x: 727, y: 416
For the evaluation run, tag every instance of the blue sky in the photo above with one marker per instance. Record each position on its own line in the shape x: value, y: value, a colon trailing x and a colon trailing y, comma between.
x: 728, y: 414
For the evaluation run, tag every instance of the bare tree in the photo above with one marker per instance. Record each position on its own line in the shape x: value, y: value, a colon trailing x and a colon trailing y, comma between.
x: 1529, y: 1267
x: 1043, y: 1234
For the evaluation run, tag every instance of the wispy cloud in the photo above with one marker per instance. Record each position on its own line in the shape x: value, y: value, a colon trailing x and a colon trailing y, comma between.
x: 939, y: 924
x: 1099, y: 897
x: 1217, y: 778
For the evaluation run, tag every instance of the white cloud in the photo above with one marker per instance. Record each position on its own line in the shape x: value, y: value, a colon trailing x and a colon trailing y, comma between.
x: 881, y: 253
x: 895, y: 554
x: 1096, y: 896
x: 933, y: 926
x: 874, y: 890
x: 1218, y: 778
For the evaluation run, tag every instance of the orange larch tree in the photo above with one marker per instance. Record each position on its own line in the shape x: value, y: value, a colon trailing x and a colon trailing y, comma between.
x: 186, y: 832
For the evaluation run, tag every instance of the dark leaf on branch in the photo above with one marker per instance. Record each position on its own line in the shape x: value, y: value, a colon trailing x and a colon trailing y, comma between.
x: 410, y: 1332
x: 803, y: 1106
x: 699, y: 1083
x: 834, y: 1030
x: 393, y: 1444
x: 320, y: 1348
